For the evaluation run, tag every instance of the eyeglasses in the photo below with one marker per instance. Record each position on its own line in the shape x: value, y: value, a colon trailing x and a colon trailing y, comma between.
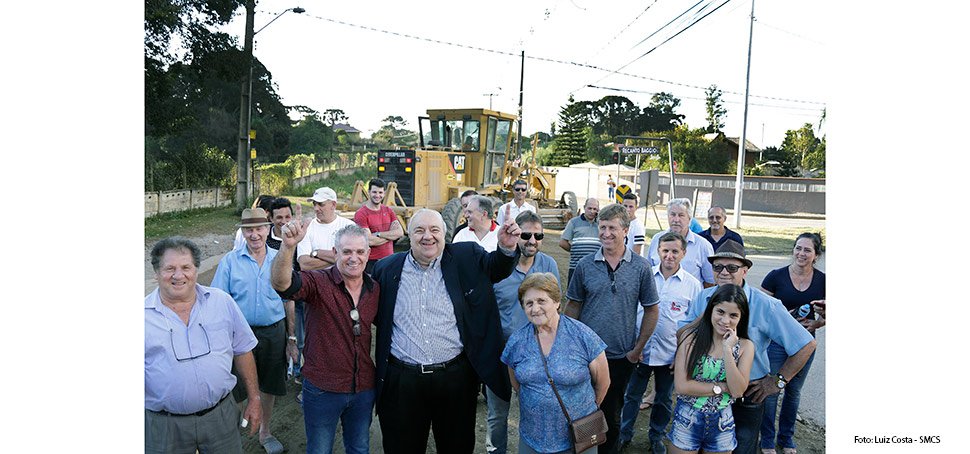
x: 730, y: 268
x: 526, y: 235
x: 355, y: 316
x: 520, y: 189
x: 208, y: 347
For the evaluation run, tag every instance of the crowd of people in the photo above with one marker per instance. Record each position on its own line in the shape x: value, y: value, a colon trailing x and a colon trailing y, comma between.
x: 486, y: 313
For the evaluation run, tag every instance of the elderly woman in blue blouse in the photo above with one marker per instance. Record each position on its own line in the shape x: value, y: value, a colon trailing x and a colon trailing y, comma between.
x: 576, y: 360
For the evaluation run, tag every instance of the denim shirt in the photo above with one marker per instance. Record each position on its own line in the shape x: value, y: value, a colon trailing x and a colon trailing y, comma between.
x: 542, y: 424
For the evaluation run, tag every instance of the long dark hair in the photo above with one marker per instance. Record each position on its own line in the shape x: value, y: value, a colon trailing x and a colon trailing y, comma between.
x: 702, y: 328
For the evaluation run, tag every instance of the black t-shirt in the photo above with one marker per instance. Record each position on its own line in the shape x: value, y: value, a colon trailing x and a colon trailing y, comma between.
x: 779, y: 283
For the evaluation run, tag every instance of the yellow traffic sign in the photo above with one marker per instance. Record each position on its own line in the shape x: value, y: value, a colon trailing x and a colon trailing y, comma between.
x: 621, y: 191
x: 252, y: 153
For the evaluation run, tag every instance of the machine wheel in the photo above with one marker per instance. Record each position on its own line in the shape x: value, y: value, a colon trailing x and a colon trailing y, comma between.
x: 450, y: 213
x: 569, y: 201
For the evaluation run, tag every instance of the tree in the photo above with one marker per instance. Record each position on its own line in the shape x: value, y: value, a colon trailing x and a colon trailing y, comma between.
x: 569, y: 145
x: 311, y: 136
x: 614, y: 116
x: 806, y: 149
x: 394, y: 132
x: 661, y: 114
x: 333, y: 116
x: 716, y: 112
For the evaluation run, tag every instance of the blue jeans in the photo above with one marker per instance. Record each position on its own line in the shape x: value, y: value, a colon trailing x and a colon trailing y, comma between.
x: 789, y: 403
x: 300, y: 335
x: 694, y: 429
x: 747, y: 422
x: 321, y: 411
x: 497, y: 436
x: 663, y: 378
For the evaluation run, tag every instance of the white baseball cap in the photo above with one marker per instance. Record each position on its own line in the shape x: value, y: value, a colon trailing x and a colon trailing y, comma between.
x: 322, y: 195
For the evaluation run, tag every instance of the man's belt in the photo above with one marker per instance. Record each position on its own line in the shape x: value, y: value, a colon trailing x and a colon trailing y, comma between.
x: 425, y: 368
x: 198, y: 413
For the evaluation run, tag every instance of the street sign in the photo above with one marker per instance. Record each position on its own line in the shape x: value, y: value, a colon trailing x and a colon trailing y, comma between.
x: 621, y: 191
x: 639, y: 150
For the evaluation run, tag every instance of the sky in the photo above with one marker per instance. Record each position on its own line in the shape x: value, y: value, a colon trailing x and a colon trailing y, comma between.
x: 331, y: 56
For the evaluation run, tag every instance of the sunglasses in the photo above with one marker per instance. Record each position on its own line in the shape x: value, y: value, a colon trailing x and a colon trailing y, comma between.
x: 731, y: 269
x: 520, y: 189
x: 355, y: 316
x: 526, y: 235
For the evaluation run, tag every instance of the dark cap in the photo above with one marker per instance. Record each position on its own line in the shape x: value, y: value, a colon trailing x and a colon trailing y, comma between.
x: 730, y: 250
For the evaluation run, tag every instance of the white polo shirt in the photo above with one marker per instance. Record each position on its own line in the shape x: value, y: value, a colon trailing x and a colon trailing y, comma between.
x: 489, y: 242
x: 676, y: 293
x: 321, y: 236
x: 514, y: 211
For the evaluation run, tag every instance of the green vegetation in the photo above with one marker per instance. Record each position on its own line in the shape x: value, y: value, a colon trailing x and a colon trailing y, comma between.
x: 763, y: 241
x: 191, y: 223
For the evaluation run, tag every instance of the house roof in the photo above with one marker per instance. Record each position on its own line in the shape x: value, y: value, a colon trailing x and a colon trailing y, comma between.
x: 748, y: 146
x: 346, y: 128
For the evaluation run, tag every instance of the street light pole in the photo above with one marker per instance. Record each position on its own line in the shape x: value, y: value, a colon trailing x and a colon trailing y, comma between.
x: 243, y: 183
x: 739, y: 181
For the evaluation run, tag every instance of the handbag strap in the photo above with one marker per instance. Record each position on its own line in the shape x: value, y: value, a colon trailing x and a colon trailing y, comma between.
x: 551, y: 383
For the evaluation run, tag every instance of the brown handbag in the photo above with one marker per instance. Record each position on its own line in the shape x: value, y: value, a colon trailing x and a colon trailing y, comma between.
x: 586, y: 432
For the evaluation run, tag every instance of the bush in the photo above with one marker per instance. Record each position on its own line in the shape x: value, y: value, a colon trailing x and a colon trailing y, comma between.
x: 275, y: 178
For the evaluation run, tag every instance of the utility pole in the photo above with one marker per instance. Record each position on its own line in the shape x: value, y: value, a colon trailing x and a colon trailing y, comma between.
x: 739, y: 182
x: 242, y: 153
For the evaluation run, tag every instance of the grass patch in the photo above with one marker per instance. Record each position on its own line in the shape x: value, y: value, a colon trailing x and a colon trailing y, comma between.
x: 763, y: 241
x: 192, y: 223
x: 203, y: 221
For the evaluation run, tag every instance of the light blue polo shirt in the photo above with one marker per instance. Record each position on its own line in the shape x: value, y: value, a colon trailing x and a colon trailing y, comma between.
x: 768, y: 320
x: 248, y: 283
x: 507, y: 293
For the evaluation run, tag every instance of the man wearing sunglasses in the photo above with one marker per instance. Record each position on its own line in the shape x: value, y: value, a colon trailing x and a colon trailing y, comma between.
x: 193, y: 336
x: 513, y: 317
x: 341, y: 304
x: 606, y: 288
x: 768, y: 321
x: 520, y: 192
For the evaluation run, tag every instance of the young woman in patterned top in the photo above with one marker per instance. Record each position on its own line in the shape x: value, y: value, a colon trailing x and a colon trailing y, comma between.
x: 714, y: 357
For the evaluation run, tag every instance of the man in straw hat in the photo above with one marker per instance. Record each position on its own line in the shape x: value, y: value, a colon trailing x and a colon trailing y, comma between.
x: 768, y: 321
x: 245, y: 275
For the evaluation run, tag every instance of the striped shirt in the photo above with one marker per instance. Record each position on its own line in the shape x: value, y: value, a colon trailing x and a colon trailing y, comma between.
x: 583, y: 238
x: 425, y: 328
x: 635, y: 236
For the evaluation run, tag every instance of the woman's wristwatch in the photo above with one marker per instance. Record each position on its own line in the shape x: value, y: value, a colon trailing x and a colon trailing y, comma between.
x: 717, y: 389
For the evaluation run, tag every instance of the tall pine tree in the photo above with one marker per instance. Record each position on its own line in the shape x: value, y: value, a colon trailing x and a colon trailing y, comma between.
x: 569, y: 145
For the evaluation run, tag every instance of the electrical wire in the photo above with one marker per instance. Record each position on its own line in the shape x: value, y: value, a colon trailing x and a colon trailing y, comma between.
x: 536, y: 58
x: 617, y: 35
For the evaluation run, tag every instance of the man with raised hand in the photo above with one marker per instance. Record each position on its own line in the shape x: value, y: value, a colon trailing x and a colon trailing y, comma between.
x: 341, y: 303
x: 439, y: 336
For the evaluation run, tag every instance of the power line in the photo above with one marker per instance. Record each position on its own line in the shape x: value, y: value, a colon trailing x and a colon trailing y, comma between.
x: 623, y: 30
x: 788, y: 32
x: 536, y: 58
x: 668, y: 39
x: 812, y: 109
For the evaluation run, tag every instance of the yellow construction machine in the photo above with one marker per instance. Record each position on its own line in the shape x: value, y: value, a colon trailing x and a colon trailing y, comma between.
x: 463, y: 149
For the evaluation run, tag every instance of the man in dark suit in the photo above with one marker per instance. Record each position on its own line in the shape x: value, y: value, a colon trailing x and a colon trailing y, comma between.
x: 438, y: 336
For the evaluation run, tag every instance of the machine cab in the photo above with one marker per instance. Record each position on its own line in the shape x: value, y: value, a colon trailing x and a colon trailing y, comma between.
x: 482, y: 136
